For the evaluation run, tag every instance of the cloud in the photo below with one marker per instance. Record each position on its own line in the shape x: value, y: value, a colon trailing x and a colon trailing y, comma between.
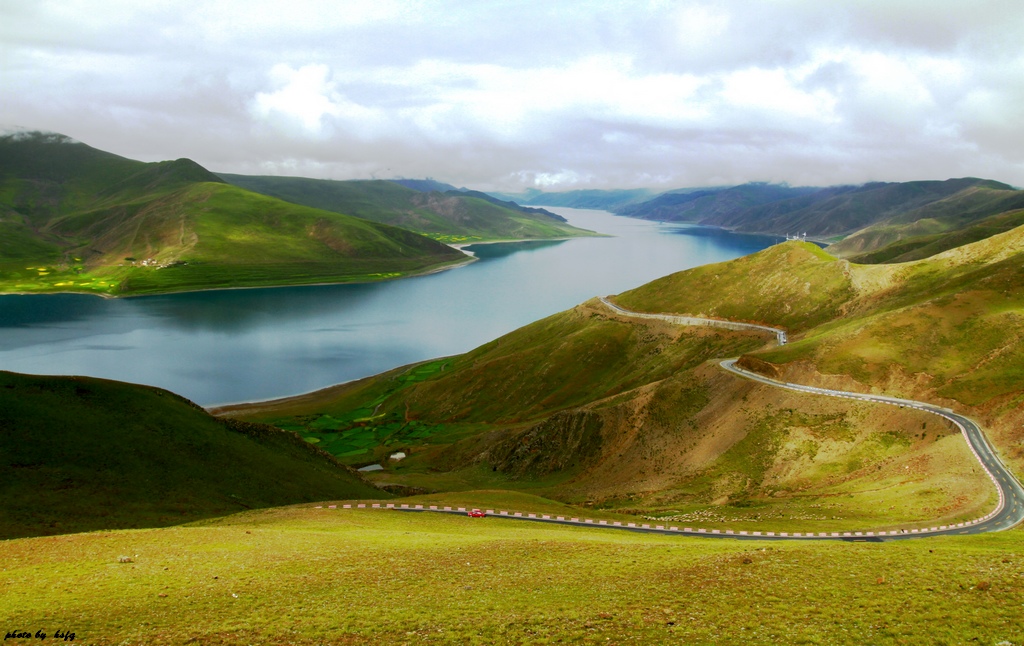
x: 506, y: 94
x: 305, y: 98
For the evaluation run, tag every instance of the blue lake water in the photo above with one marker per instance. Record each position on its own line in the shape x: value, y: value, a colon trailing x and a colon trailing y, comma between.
x: 245, y: 345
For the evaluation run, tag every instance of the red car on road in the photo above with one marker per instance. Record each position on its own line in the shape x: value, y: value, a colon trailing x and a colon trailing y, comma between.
x: 476, y: 513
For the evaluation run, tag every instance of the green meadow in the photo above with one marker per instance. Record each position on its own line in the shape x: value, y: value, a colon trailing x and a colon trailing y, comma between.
x: 298, y: 575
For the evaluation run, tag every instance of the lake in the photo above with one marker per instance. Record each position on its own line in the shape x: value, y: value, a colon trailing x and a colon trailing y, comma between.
x: 230, y: 346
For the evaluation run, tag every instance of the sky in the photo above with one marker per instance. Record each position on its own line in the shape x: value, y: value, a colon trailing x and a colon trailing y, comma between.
x: 555, y: 95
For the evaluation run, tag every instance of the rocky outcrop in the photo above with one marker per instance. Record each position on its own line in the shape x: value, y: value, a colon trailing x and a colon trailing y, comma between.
x: 760, y: 366
x: 567, y: 440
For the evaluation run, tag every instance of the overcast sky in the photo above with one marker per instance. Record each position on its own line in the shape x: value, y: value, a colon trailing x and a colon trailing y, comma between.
x: 552, y: 94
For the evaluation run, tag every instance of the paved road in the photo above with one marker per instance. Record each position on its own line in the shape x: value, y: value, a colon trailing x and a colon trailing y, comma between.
x: 1009, y: 511
x: 780, y: 335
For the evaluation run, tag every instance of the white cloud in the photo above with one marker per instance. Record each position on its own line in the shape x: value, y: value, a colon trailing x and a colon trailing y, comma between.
x: 307, y: 102
x: 568, y: 93
x: 776, y: 92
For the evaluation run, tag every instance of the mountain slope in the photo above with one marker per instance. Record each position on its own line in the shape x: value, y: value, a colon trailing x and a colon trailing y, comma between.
x: 78, y: 219
x: 425, y: 185
x: 706, y: 205
x: 945, y: 328
x: 452, y: 216
x: 916, y: 247
x: 842, y: 210
x: 82, y: 454
x: 635, y: 414
x: 966, y: 216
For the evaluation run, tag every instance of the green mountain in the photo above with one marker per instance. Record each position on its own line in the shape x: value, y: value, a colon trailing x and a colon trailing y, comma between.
x: 878, y: 222
x: 590, y: 406
x: 452, y: 216
x: 425, y: 185
x: 915, y: 247
x: 508, y: 204
x: 705, y: 205
x: 969, y: 215
x: 73, y: 218
x: 80, y: 454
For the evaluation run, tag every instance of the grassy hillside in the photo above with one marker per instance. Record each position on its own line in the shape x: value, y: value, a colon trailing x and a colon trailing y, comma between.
x: 950, y: 319
x: 946, y: 328
x: 77, y: 219
x: 80, y: 454
x: 909, y: 246
x: 425, y: 185
x: 635, y: 415
x: 794, y: 285
x: 304, y: 576
x: 967, y: 216
x: 451, y: 216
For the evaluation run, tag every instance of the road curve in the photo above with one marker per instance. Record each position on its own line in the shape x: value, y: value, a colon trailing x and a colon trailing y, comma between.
x: 1008, y: 512
x: 1010, y: 509
x: 780, y: 334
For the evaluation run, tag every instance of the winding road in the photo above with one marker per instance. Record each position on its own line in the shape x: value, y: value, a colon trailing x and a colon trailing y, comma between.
x: 1008, y: 512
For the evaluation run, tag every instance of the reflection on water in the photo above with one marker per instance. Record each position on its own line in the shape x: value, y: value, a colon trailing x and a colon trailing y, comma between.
x: 239, y: 309
x: 243, y: 345
x: 26, y: 311
x: 496, y: 250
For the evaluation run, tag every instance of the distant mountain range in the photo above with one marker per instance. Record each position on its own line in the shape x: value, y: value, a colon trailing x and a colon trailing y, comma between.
x: 605, y: 200
x: 709, y: 205
x: 871, y: 223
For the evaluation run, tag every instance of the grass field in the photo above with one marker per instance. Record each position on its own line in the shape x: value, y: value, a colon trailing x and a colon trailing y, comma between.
x: 362, y: 433
x: 303, y: 576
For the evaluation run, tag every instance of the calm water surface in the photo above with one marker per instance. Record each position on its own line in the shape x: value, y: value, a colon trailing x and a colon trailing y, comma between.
x: 245, y: 345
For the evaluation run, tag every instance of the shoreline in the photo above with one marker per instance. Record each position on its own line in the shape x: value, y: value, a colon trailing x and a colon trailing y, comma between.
x: 461, y: 245
x: 222, y: 410
x: 821, y: 242
x: 426, y: 272
x: 470, y: 258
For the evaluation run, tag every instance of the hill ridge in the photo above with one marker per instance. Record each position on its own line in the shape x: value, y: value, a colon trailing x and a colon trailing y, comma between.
x: 453, y: 216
